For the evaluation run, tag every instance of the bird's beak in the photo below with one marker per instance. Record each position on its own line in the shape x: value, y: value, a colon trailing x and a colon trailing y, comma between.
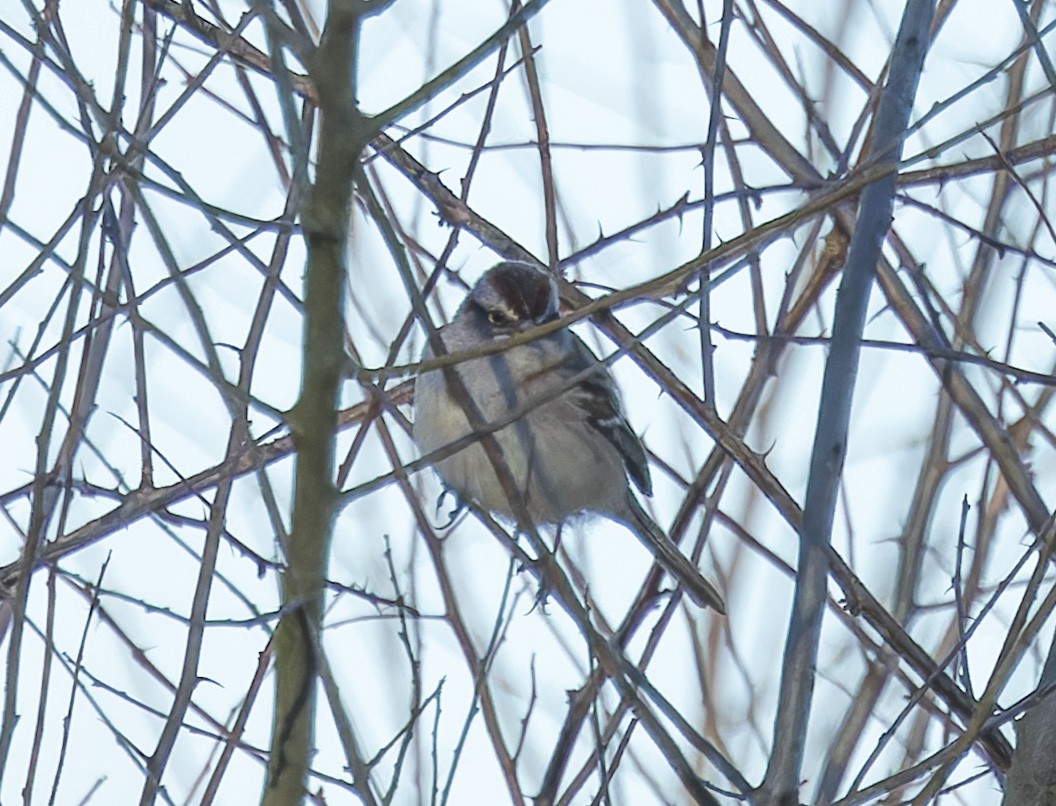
x: 547, y: 317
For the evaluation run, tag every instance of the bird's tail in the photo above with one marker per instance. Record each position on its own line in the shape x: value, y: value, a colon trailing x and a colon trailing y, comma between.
x: 673, y: 561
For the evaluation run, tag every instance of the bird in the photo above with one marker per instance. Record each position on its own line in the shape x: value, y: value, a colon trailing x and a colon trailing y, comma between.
x: 568, y: 447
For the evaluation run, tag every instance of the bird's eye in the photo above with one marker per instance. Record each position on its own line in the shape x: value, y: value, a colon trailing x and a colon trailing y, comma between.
x: 498, y: 318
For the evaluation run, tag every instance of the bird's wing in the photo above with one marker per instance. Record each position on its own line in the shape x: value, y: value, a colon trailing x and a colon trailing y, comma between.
x: 596, y: 395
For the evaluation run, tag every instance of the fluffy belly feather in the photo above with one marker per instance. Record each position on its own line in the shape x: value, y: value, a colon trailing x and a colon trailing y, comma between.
x: 579, y: 464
